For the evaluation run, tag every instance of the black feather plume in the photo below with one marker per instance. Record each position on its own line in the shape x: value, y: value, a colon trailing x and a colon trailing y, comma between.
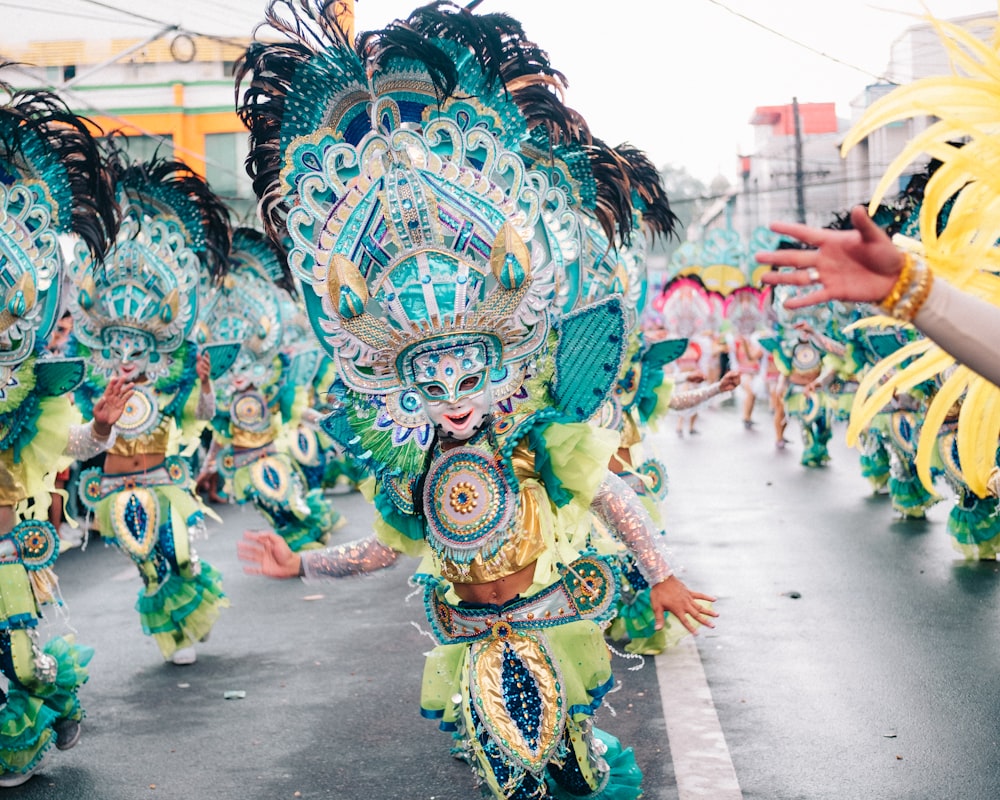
x: 171, y: 186
x: 614, y: 200
x: 68, y: 141
x: 647, y: 183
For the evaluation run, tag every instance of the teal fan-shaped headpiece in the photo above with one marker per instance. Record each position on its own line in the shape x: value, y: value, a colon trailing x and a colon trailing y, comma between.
x: 395, y: 166
x: 244, y: 308
x: 173, y: 230
x: 52, y: 185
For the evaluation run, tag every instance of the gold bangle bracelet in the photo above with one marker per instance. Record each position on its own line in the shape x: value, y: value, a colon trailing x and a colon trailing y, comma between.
x: 907, y: 310
x: 900, y: 286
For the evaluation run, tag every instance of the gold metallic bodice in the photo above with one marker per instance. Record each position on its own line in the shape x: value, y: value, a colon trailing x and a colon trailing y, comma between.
x: 250, y: 440
x: 524, y: 545
x: 155, y: 441
x: 11, y: 490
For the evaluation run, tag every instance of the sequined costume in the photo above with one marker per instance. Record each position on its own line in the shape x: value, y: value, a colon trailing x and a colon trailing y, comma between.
x: 430, y: 226
x: 799, y: 357
x: 133, y: 316
x: 973, y: 521
x: 262, y: 397
x: 52, y: 184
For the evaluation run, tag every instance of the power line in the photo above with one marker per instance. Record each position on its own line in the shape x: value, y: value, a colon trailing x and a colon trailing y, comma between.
x: 61, y: 12
x: 124, y: 11
x: 160, y: 22
x: 796, y: 42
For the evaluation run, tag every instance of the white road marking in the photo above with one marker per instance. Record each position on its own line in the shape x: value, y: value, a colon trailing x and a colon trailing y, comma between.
x: 702, y: 764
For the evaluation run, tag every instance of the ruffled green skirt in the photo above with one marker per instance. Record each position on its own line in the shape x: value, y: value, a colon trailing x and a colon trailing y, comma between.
x: 183, y: 594
x: 31, y: 711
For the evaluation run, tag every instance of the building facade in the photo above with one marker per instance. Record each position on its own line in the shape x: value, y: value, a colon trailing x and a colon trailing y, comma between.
x: 171, y: 94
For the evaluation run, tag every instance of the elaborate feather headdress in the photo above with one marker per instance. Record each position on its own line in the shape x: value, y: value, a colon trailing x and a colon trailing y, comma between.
x: 396, y: 166
x: 174, y: 231
x: 52, y: 184
x: 244, y: 309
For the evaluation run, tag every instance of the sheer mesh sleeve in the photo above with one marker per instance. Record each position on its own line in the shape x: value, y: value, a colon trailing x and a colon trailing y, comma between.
x: 620, y: 508
x: 205, y: 409
x: 84, y: 443
x: 681, y: 401
x: 353, y: 558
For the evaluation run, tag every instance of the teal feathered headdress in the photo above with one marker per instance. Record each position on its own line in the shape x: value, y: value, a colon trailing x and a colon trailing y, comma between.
x: 394, y: 164
x: 245, y: 311
x: 52, y: 185
x: 174, y: 239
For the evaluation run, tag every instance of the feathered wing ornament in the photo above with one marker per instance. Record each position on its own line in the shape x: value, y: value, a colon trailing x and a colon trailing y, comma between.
x: 965, y: 139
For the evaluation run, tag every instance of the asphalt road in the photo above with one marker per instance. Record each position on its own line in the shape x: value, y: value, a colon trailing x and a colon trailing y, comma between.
x: 855, y: 657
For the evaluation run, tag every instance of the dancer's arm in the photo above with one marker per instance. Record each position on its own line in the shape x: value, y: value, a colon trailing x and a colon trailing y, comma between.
x: 863, y: 265
x: 205, y: 409
x: 266, y: 553
x: 618, y: 506
x: 94, y: 437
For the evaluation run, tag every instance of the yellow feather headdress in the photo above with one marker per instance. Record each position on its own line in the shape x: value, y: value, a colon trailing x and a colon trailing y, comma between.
x: 965, y: 138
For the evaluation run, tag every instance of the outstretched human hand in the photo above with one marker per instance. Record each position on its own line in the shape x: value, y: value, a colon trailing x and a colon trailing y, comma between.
x: 110, y: 405
x: 859, y: 265
x: 674, y: 596
x: 729, y: 381
x: 266, y: 553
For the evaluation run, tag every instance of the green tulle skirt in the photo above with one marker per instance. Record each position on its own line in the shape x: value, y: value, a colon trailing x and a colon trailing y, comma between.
x: 182, y: 610
x: 31, y: 711
x: 622, y: 779
x: 182, y: 595
x: 974, y: 524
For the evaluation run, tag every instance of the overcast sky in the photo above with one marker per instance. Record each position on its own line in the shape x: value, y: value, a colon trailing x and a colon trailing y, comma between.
x: 677, y: 78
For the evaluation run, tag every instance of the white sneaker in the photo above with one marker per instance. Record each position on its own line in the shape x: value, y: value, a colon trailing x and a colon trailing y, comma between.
x: 69, y: 537
x: 184, y: 656
x: 11, y: 779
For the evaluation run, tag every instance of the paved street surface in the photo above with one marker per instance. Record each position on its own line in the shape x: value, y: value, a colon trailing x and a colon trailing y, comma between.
x: 856, y: 659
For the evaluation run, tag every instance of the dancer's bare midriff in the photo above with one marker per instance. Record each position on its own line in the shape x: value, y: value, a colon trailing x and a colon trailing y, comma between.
x: 499, y: 591
x: 140, y: 462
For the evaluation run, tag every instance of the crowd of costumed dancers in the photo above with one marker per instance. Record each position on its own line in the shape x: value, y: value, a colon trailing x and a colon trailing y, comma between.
x: 440, y: 305
x: 806, y: 367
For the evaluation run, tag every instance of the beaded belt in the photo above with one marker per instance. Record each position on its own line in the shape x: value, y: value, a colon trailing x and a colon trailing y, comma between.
x: 588, y: 589
x: 32, y: 543
x: 231, y: 459
x: 129, y: 480
x: 95, y: 484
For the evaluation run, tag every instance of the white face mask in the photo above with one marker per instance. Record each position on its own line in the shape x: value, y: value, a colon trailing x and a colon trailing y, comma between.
x: 454, y: 386
x: 129, y: 351
x: 247, y: 373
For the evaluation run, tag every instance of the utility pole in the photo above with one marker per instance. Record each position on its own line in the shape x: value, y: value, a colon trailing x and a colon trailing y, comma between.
x: 800, y: 193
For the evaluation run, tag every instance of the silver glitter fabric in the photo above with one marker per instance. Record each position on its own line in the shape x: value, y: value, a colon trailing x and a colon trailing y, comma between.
x: 620, y: 508
x: 353, y: 558
x: 205, y: 409
x: 84, y: 443
x: 682, y: 401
